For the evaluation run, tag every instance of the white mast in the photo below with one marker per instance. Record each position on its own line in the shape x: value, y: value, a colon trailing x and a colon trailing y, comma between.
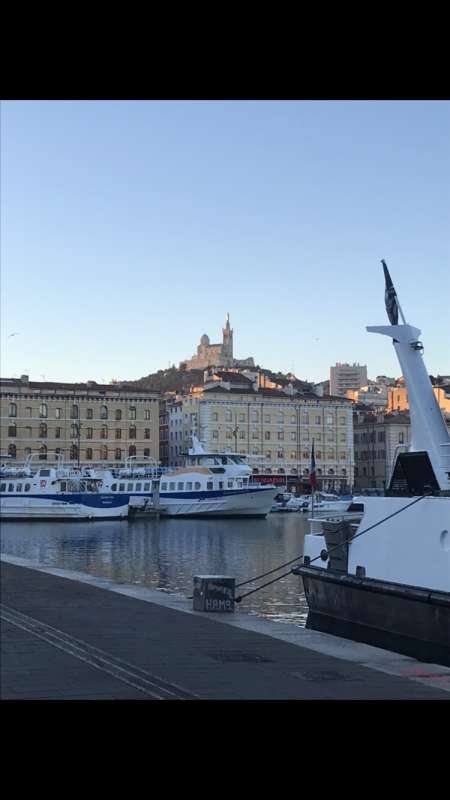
x: 428, y: 429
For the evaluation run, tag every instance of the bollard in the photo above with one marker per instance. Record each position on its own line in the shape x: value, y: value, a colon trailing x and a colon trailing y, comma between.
x: 213, y: 593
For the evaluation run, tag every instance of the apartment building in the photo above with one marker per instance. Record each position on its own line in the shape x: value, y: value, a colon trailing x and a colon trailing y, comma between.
x: 377, y: 440
x: 273, y: 428
x: 347, y: 376
x: 87, y: 422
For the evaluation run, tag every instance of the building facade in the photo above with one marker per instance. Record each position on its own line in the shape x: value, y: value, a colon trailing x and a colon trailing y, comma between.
x: 347, y: 376
x: 377, y: 439
x: 398, y: 398
x: 86, y: 422
x: 273, y: 429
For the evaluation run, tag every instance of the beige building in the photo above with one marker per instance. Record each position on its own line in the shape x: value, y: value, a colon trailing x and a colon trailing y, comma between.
x: 88, y: 422
x: 274, y: 429
x: 347, y: 376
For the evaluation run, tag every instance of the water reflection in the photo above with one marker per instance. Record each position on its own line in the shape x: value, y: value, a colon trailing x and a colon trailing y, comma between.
x: 166, y: 554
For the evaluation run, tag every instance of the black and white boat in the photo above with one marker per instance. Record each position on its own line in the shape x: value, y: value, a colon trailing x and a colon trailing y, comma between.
x: 386, y: 580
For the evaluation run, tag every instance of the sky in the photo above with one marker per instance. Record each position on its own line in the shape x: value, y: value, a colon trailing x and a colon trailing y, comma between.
x: 130, y: 228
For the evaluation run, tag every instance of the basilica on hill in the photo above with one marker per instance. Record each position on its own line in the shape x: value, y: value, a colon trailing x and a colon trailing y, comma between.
x: 216, y: 355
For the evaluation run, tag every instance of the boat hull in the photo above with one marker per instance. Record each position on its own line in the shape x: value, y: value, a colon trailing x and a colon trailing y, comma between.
x: 76, y: 507
x: 410, y: 620
x: 250, y: 503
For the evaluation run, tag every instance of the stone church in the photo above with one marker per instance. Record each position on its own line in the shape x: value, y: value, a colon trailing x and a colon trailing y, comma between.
x: 216, y: 355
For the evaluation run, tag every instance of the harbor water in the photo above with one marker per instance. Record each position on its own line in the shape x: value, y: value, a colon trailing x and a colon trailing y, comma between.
x: 165, y: 554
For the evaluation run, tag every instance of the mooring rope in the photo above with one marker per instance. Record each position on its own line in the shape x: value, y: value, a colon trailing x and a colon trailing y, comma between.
x: 239, y: 598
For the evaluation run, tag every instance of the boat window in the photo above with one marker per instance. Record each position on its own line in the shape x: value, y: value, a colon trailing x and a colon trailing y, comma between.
x: 189, y: 486
x: 44, y: 473
x: 3, y: 487
x: 180, y: 486
x: 164, y: 487
x: 114, y: 487
x: 155, y: 484
x: 220, y: 484
x: 172, y: 486
x: 146, y: 487
x: 11, y: 487
x: 230, y: 484
x: 27, y: 487
x: 121, y: 487
x: 129, y: 487
x: 139, y: 487
x: 19, y: 487
x: 197, y: 484
x: 239, y: 483
x: 209, y: 485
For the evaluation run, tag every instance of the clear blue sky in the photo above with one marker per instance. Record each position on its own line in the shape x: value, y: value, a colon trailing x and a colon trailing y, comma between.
x: 130, y: 228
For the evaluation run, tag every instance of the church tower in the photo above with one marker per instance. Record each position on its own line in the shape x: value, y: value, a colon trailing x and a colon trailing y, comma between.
x: 227, y: 348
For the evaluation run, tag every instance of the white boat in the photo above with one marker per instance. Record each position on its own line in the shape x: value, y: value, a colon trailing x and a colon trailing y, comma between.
x: 325, y: 503
x: 386, y: 579
x: 137, y: 481
x: 214, y: 485
x: 287, y: 502
x: 56, y: 492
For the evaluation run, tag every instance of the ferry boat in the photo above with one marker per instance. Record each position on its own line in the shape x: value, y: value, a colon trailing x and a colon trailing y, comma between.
x: 137, y: 481
x: 386, y: 580
x: 325, y: 503
x: 214, y: 485
x: 56, y: 492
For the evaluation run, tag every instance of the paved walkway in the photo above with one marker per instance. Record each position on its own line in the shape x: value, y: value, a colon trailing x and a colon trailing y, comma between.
x: 65, y: 639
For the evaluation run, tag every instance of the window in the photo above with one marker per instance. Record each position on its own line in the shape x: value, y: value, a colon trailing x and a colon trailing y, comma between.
x: 293, y: 454
x: 180, y: 486
x: 280, y: 417
x: 293, y: 419
x: 172, y: 486
x: 242, y: 434
x: 280, y: 453
x: 42, y: 430
x: 401, y: 438
x: 255, y: 416
x: 147, y: 487
x: 241, y: 417
x: 57, y: 433
x: 209, y: 485
x: 227, y: 434
x: 164, y: 487
x: 27, y: 487
x: 146, y: 451
x: 189, y: 486
x: 228, y: 416
x: 118, y: 414
x: 129, y: 487
x: 12, y: 450
x: 255, y: 434
x: 293, y: 436
x: 118, y: 454
x: 132, y: 412
x: 74, y: 453
x: 131, y: 450
x: 104, y: 452
x: 10, y: 487
x: 197, y: 485
x: 267, y: 418
x: 329, y: 419
x: 118, y: 433
x: 305, y: 419
x: 147, y: 413
x: 104, y: 412
x: 132, y: 432
x: 267, y: 435
x: 114, y: 487
x: 230, y: 484
x: 268, y: 454
x: 138, y: 487
x: 318, y: 420
x: 43, y: 453
x: 280, y: 436
x: 43, y: 411
x: 215, y: 416
x: 147, y: 433
x: 89, y: 433
x: 74, y: 430
x: 121, y: 487
x: 89, y: 454
x: 220, y: 484
x: 12, y: 430
x: 74, y: 412
x: 12, y: 410
x: 104, y: 432
x: 89, y: 413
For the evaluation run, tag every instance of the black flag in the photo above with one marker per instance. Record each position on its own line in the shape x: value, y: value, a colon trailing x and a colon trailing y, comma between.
x: 390, y: 297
